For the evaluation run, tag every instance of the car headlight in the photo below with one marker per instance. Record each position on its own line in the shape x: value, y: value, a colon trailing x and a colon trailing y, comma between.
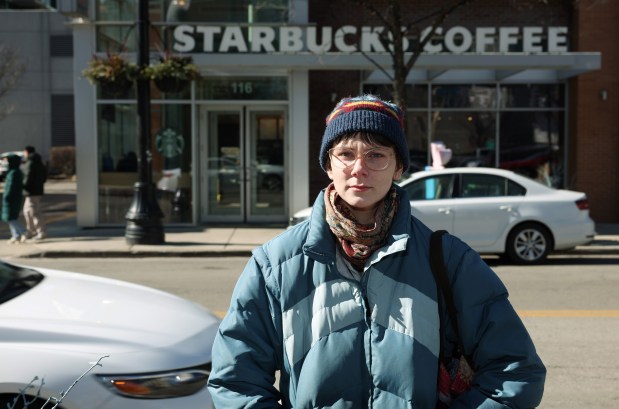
x: 161, y: 385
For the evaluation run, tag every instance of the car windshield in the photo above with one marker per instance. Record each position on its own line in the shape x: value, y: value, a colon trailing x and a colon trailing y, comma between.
x: 16, y: 280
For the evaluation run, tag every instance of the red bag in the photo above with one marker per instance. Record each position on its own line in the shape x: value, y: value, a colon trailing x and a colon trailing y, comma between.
x: 454, y: 379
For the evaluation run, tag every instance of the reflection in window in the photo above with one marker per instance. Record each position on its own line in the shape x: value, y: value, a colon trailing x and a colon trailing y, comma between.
x: 430, y: 188
x: 469, y: 135
x: 463, y: 96
x: 478, y: 185
x: 532, y: 145
x: 118, y: 161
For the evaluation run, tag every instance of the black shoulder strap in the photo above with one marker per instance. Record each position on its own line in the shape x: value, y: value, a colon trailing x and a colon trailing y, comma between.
x: 437, y: 264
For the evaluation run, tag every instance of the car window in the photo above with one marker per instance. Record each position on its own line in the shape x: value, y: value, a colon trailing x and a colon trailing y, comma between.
x: 478, y: 185
x: 430, y: 188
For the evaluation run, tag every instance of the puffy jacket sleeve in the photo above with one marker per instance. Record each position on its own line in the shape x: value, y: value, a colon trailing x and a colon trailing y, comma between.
x: 245, y: 356
x: 508, y: 371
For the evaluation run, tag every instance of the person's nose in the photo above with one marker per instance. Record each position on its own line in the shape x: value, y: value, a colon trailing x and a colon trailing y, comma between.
x: 359, y: 166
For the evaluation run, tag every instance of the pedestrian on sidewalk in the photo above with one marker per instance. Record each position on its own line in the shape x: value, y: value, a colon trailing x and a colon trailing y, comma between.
x: 35, y: 176
x: 12, y: 199
x: 345, y: 305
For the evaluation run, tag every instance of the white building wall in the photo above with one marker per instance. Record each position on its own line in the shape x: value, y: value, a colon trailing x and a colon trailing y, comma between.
x: 28, y: 32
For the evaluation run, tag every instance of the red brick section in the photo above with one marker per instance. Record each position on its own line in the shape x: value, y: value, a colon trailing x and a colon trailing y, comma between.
x: 595, y: 123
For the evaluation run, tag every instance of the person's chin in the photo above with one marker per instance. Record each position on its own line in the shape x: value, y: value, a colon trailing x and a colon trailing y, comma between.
x: 360, y: 203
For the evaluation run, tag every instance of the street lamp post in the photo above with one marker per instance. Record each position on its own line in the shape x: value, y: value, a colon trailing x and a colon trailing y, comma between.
x: 143, y: 218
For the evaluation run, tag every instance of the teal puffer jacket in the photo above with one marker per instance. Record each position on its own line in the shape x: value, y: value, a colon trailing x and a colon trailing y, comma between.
x: 340, y: 343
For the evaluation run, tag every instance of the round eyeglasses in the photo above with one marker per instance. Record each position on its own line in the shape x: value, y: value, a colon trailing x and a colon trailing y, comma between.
x: 375, y: 158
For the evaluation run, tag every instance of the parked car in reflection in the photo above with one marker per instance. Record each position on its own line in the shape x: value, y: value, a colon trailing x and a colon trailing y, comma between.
x: 497, y: 211
x: 55, y: 324
x: 227, y: 171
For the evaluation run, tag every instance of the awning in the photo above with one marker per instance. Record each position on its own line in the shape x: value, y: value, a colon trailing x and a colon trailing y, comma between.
x: 440, y: 68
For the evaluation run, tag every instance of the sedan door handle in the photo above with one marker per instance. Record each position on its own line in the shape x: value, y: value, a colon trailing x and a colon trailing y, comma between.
x: 507, y: 208
x: 445, y: 210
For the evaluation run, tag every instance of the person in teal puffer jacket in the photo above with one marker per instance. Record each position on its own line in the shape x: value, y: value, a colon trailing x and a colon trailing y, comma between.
x: 344, y: 305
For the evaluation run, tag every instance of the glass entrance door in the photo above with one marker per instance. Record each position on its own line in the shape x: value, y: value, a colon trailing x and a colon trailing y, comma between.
x: 243, y: 165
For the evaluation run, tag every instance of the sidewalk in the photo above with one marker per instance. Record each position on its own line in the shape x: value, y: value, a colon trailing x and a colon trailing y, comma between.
x: 66, y: 239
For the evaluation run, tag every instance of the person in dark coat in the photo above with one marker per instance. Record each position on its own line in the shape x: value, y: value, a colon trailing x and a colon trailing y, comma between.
x: 35, y: 176
x: 12, y: 199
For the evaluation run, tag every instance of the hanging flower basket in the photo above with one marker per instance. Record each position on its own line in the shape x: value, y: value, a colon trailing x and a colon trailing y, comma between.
x: 113, y: 73
x: 172, y: 73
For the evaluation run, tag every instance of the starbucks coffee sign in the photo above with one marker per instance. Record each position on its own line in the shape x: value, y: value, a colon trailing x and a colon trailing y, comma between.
x: 351, y: 39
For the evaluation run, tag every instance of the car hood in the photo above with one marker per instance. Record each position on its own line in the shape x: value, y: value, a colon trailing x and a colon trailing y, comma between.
x: 99, y: 315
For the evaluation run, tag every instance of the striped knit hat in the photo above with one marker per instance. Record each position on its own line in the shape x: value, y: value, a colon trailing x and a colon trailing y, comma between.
x: 365, y: 113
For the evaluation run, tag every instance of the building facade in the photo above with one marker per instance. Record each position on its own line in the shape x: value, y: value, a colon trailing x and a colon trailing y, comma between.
x: 518, y: 85
x: 39, y: 109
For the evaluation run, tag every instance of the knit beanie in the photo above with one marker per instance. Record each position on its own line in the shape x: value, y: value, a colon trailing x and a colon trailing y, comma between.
x: 365, y: 113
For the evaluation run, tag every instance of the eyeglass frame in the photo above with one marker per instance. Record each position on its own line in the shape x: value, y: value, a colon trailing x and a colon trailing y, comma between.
x: 362, y: 156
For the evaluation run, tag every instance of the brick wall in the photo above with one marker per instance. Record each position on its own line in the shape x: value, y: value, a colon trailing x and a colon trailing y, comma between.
x: 595, y: 122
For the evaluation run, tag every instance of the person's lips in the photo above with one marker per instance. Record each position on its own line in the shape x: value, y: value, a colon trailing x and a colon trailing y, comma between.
x: 359, y: 188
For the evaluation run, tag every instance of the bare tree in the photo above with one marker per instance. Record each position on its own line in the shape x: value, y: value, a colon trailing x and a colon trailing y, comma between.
x: 11, y: 69
x: 419, y: 31
x: 396, y: 30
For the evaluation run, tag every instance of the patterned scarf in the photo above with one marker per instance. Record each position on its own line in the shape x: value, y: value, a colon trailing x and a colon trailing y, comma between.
x: 358, y: 241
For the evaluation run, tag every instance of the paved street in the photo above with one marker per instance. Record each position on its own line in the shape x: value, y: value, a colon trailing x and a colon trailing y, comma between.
x: 569, y: 306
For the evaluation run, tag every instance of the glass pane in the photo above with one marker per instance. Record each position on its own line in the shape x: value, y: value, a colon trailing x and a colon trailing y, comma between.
x: 231, y: 11
x: 118, y: 161
x: 267, y: 163
x: 431, y: 188
x: 533, y: 96
x: 417, y: 95
x: 532, y: 143
x: 116, y: 10
x: 243, y: 88
x: 224, y: 163
x: 475, y: 185
x: 464, y: 96
x: 417, y: 138
x: 469, y: 135
x: 172, y: 161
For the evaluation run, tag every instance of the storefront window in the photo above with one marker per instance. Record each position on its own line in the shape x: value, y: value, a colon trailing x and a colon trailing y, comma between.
x: 231, y: 11
x: 469, y: 135
x: 532, y: 144
x: 464, y: 96
x: 533, y: 96
x: 522, y: 130
x: 171, y: 161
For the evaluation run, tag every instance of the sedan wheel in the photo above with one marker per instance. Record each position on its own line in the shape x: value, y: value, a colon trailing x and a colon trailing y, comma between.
x: 528, y: 244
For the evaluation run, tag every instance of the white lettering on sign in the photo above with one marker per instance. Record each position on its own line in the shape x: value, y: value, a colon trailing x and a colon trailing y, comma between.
x: 350, y: 39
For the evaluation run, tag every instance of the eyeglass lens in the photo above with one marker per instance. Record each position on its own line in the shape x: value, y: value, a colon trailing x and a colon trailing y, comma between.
x: 375, y: 159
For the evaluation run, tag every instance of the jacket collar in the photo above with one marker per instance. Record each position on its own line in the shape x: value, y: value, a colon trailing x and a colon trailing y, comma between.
x: 320, y: 243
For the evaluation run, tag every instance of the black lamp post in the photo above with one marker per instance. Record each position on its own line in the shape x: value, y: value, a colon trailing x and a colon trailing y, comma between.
x: 143, y: 218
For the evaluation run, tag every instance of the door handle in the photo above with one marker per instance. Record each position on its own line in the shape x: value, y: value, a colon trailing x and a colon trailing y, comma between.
x: 507, y: 208
x: 445, y: 210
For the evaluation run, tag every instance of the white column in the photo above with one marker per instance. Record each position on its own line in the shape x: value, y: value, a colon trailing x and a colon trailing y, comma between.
x: 86, y: 158
x: 298, y: 164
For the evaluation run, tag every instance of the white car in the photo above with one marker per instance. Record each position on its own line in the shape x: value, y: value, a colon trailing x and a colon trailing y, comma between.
x: 497, y: 211
x: 154, y: 348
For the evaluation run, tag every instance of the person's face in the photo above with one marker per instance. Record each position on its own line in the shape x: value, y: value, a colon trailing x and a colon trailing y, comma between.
x: 359, y: 185
x: 25, y: 154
